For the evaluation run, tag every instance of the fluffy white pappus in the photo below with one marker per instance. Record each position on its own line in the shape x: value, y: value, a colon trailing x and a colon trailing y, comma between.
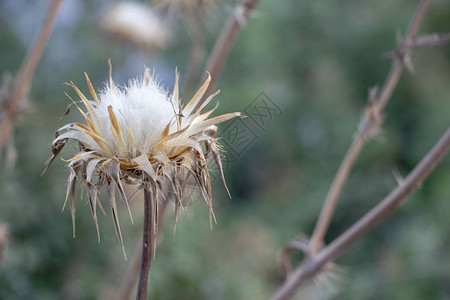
x: 142, y: 109
x: 137, y: 23
x: 140, y: 134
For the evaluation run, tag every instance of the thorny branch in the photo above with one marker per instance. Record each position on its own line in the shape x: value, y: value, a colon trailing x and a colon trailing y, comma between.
x: 22, y: 81
x: 315, y: 263
x: 428, y: 40
x: 370, y: 122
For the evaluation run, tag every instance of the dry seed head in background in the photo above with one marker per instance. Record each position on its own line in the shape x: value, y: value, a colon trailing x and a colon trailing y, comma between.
x: 186, y: 5
x: 143, y: 136
x: 136, y: 23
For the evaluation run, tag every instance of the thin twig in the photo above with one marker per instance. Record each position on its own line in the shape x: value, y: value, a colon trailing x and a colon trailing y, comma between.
x: 369, y: 125
x: 147, y: 245
x: 4, y: 234
x: 430, y: 40
x: 314, y: 264
x: 26, y: 72
x: 301, y: 243
x: 131, y: 275
x: 226, y: 40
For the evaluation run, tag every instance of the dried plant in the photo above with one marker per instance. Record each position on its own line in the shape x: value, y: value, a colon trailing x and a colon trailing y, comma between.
x: 136, y: 23
x: 140, y: 135
x: 318, y: 256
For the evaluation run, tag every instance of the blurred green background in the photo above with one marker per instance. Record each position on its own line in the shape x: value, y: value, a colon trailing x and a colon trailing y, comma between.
x: 315, y: 61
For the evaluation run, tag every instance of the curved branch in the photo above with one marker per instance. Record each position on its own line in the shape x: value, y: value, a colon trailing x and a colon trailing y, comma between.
x: 369, y: 126
x: 314, y: 264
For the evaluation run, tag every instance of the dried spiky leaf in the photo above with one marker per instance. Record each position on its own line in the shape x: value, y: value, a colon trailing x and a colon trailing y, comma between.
x: 91, y: 88
x: 112, y: 201
x: 197, y: 97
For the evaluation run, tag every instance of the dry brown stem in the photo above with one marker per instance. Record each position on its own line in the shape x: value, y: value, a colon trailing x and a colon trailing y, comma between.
x: 430, y: 40
x: 369, y: 126
x: 314, y: 264
x: 300, y: 243
x: 147, y: 245
x: 26, y: 71
x: 131, y: 275
x: 4, y: 234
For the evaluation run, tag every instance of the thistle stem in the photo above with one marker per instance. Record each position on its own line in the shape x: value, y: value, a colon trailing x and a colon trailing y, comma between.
x: 147, y: 246
x: 131, y: 275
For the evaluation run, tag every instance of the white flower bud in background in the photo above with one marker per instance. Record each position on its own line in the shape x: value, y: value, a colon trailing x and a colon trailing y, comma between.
x: 136, y: 23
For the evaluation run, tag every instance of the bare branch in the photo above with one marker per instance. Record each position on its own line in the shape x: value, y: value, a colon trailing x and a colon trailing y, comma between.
x: 314, y: 264
x: 22, y: 81
x: 301, y: 243
x: 430, y: 40
x: 4, y: 234
x: 369, y: 126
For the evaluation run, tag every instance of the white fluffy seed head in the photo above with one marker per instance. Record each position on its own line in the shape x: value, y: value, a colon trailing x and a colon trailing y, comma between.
x: 137, y: 23
x: 142, y: 110
x: 141, y: 135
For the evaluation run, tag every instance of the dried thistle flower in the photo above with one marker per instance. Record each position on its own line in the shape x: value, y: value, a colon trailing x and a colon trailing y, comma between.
x: 140, y: 135
x: 136, y: 23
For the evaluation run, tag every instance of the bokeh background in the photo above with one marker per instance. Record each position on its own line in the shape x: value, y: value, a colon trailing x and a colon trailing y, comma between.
x: 313, y: 60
